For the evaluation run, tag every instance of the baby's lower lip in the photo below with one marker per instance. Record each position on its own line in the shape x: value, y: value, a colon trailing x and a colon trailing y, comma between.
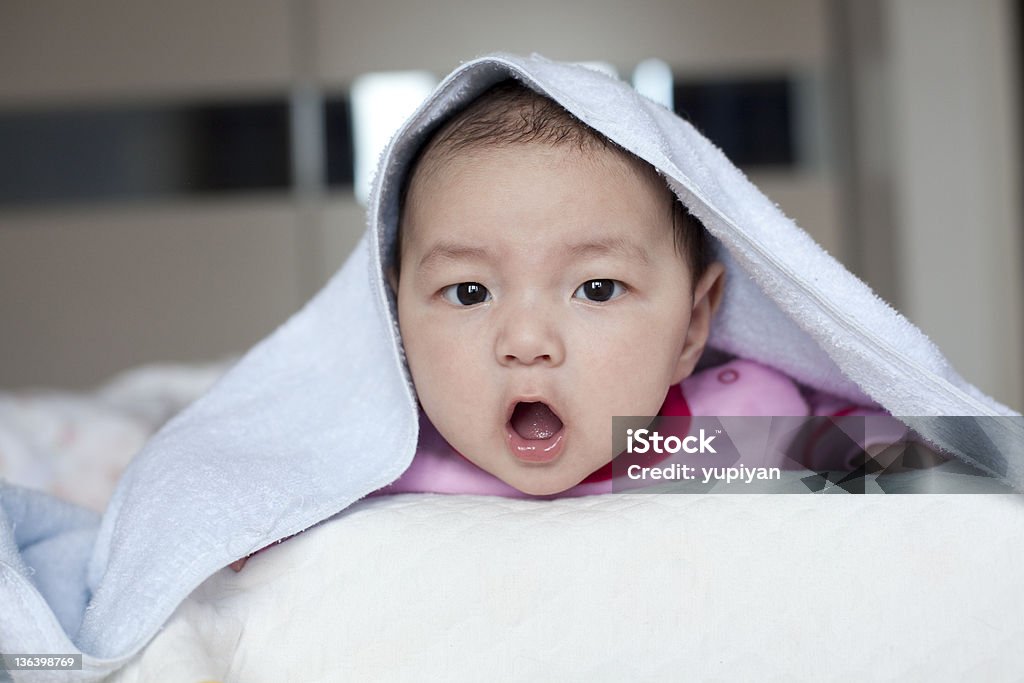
x: 535, y: 450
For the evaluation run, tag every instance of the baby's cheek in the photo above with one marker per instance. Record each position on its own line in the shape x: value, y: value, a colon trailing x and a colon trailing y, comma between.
x: 442, y: 368
x: 422, y: 341
x: 638, y: 345
x: 630, y: 381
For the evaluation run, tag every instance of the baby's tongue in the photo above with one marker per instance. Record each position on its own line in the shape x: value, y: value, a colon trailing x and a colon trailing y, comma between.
x: 535, y: 421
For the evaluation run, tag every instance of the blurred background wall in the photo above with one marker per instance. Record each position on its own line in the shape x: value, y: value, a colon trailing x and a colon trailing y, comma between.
x: 904, y: 157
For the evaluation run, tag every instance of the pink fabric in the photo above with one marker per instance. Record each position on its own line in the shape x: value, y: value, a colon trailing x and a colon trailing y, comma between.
x: 740, y: 387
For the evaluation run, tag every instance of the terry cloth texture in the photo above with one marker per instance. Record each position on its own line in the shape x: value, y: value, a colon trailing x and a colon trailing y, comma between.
x: 322, y: 412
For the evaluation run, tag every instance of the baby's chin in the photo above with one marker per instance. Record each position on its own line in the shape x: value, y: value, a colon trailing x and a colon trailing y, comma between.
x: 541, y: 483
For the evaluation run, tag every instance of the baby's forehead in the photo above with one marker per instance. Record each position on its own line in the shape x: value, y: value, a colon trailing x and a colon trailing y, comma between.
x: 521, y: 165
x: 565, y: 159
x: 538, y: 198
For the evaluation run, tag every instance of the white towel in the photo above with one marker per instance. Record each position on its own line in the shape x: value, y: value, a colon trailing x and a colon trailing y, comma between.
x: 323, y: 412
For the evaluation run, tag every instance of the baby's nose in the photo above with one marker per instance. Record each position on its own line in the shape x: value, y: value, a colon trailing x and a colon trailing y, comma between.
x: 529, y: 336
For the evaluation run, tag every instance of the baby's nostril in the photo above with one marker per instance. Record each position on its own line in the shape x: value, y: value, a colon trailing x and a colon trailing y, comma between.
x: 528, y: 358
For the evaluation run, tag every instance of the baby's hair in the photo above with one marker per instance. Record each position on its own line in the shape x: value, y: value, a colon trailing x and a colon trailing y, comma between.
x: 510, y: 113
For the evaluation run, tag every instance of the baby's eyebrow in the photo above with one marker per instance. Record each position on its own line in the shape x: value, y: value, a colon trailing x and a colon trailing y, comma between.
x: 452, y: 251
x: 615, y: 246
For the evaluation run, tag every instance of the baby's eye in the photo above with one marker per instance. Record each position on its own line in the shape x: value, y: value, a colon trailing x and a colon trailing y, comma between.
x: 600, y: 290
x: 466, y: 293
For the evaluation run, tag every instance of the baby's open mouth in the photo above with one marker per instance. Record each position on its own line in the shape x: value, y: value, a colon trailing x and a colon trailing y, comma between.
x: 535, y: 433
x: 535, y: 421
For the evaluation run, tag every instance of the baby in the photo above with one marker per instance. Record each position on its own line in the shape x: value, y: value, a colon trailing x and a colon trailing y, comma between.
x: 546, y: 280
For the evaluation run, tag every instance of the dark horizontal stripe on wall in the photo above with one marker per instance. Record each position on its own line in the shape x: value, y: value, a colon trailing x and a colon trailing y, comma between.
x: 339, y: 142
x: 751, y: 120
x: 141, y: 152
x: 114, y: 153
x: 242, y: 147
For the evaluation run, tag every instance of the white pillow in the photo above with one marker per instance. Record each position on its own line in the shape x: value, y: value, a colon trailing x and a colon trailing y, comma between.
x: 617, y: 587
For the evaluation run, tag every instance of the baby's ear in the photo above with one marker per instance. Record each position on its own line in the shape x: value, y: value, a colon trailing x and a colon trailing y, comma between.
x: 707, y: 295
x: 713, y: 286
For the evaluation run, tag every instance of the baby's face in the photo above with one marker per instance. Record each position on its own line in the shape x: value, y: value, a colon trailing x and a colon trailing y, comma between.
x: 540, y: 294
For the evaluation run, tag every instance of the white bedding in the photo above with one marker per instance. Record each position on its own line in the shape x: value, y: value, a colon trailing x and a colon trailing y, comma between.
x: 618, y: 587
x: 75, y: 445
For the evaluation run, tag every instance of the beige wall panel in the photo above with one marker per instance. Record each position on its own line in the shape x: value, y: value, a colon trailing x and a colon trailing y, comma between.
x: 355, y: 36
x: 959, y: 184
x: 343, y: 221
x: 85, y: 293
x: 60, y: 50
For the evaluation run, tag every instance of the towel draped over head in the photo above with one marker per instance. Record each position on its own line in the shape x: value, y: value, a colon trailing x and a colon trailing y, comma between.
x: 322, y: 412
